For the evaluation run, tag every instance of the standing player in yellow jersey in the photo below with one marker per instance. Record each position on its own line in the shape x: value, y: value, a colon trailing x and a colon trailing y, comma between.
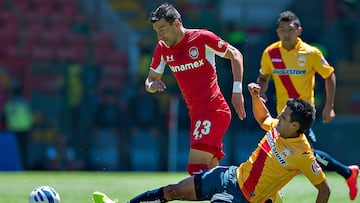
x: 292, y: 64
x: 282, y: 153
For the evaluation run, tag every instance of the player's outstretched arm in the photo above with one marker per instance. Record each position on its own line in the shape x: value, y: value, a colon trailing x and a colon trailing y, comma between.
x: 260, y: 111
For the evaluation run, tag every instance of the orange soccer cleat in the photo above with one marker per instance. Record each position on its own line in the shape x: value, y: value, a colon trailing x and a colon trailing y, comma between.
x: 352, y: 181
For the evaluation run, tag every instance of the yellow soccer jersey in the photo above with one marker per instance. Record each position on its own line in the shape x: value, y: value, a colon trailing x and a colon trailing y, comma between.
x: 297, y: 76
x: 275, y: 162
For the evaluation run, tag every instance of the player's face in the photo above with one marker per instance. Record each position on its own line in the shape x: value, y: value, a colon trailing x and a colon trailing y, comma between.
x: 288, y: 33
x: 285, y: 127
x: 165, y: 31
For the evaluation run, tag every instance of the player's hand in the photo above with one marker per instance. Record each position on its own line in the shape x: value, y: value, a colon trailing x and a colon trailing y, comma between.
x: 237, y: 100
x: 254, y: 89
x: 157, y: 86
x: 328, y: 114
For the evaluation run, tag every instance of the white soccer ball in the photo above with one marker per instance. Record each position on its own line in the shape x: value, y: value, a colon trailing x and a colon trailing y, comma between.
x: 44, y: 194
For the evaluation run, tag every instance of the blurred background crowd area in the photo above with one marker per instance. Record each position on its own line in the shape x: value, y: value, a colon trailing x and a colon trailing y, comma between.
x: 78, y: 66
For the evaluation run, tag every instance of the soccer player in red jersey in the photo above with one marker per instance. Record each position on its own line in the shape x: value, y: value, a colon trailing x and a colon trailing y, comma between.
x: 190, y: 55
x: 293, y: 64
x: 282, y: 153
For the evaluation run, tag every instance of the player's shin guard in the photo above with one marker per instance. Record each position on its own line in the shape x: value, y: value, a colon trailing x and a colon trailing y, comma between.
x: 156, y: 195
x: 194, y: 169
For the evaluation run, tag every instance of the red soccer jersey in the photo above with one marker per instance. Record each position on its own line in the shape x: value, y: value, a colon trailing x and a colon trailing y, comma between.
x: 192, y: 62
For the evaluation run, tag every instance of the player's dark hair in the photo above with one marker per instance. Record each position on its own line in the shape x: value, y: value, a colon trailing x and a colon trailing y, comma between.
x: 288, y: 16
x: 166, y: 11
x: 302, y: 112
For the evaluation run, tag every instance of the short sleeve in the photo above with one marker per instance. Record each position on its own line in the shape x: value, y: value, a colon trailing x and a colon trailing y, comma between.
x: 321, y: 65
x: 308, y: 165
x: 215, y: 42
x: 157, y: 62
x: 265, y: 64
x: 269, y: 123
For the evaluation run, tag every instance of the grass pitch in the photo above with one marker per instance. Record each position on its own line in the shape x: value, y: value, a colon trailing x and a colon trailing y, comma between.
x: 77, y: 187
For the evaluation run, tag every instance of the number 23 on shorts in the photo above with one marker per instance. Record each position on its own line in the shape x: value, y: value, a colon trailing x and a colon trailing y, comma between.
x: 201, y: 128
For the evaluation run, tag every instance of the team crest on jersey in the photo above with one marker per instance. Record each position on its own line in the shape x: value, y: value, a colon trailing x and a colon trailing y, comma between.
x: 315, y: 167
x: 284, y: 154
x: 301, y: 61
x: 193, y: 52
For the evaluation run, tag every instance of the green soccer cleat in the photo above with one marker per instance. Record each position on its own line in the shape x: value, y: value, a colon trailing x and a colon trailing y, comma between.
x: 99, y: 197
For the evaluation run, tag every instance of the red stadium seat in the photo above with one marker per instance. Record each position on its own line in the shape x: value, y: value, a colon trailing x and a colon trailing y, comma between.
x: 45, y: 83
x: 76, y: 40
x: 99, y: 55
x: 117, y: 58
x: 42, y: 53
x: 68, y: 9
x: 72, y: 53
x: 15, y: 52
x: 31, y: 36
x: 9, y: 26
x: 62, y: 54
x: 8, y: 35
x: 44, y: 8
x: 102, y: 39
x: 9, y: 18
x: 25, y: 6
x: 61, y: 24
x: 35, y: 23
x: 52, y: 38
x: 3, y: 6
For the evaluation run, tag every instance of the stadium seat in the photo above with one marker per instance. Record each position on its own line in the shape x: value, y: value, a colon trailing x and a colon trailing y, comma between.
x: 44, y: 8
x: 61, y: 24
x: 8, y: 36
x: 76, y: 40
x: 15, y: 52
x: 31, y: 36
x: 62, y: 54
x: 8, y: 39
x: 10, y: 159
x: 183, y: 148
x: 25, y: 6
x: 145, y: 152
x: 116, y: 58
x: 44, y: 83
x: 9, y: 18
x: 68, y: 8
x: 3, y: 6
x: 102, y: 40
x: 35, y: 23
x: 42, y: 53
x: 104, y: 152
